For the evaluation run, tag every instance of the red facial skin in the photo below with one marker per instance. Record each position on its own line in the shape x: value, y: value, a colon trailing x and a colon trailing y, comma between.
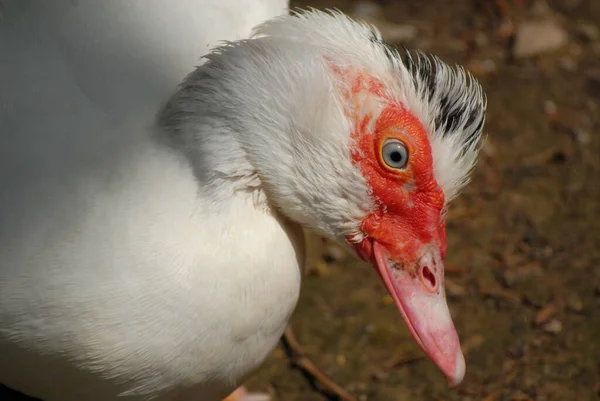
x: 410, y: 201
x: 404, y: 237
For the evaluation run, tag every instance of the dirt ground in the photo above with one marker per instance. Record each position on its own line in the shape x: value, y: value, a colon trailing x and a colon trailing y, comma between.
x: 523, y: 276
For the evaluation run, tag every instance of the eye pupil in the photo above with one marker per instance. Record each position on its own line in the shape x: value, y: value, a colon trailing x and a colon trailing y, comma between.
x: 396, y: 157
x: 394, y: 154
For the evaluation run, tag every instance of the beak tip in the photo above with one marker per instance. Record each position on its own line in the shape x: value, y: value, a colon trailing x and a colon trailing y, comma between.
x: 459, y: 371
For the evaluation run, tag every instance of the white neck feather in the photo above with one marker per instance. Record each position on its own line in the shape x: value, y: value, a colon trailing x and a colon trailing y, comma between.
x: 277, y: 140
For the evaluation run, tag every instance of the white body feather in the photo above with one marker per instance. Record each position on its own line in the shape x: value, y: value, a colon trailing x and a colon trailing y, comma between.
x: 114, y: 263
x: 128, y: 271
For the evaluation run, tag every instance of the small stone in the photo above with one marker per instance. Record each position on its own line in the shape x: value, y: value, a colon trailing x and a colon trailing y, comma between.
x: 568, y: 64
x: 537, y: 37
x: 380, y: 375
x: 481, y: 39
x: 340, y: 359
x: 387, y: 300
x: 584, y: 137
x: 574, y: 303
x: 554, y: 326
x: 551, y: 109
x: 489, y: 65
x: 333, y: 253
x: 506, y: 29
x: 366, y: 10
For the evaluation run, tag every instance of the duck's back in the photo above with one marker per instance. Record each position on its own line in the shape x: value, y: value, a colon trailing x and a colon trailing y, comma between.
x: 76, y: 76
x: 116, y: 54
x: 109, y: 262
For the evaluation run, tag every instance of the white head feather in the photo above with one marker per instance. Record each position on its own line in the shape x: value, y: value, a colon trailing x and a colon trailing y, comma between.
x: 269, y: 109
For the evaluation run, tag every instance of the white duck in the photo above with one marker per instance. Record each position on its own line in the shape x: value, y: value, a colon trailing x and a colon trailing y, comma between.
x: 145, y: 259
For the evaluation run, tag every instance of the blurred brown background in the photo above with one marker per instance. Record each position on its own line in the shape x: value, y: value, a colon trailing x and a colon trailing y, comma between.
x: 523, y: 276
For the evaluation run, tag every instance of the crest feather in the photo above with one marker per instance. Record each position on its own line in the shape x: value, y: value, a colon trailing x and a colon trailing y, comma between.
x: 448, y: 101
x: 451, y: 105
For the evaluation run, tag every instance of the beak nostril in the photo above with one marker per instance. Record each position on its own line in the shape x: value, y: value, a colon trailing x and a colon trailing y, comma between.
x: 428, y: 278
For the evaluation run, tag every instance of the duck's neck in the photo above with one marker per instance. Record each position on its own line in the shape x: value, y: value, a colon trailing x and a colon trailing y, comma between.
x: 205, y: 120
x: 221, y: 168
x: 263, y: 117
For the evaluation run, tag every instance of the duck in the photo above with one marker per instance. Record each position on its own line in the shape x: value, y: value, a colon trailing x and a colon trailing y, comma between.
x: 154, y: 205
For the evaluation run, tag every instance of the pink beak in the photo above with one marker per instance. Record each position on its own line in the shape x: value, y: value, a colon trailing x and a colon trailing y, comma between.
x: 419, y: 295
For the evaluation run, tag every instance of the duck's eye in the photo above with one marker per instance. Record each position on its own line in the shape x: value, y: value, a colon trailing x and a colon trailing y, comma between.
x: 394, y: 154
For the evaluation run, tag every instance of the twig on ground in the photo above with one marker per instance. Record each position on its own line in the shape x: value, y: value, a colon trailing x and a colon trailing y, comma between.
x: 319, y: 379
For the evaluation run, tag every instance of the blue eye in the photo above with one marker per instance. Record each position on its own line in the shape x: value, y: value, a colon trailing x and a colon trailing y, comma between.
x: 395, y: 154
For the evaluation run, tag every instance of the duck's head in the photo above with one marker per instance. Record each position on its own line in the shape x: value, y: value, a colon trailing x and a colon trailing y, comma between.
x: 351, y: 139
